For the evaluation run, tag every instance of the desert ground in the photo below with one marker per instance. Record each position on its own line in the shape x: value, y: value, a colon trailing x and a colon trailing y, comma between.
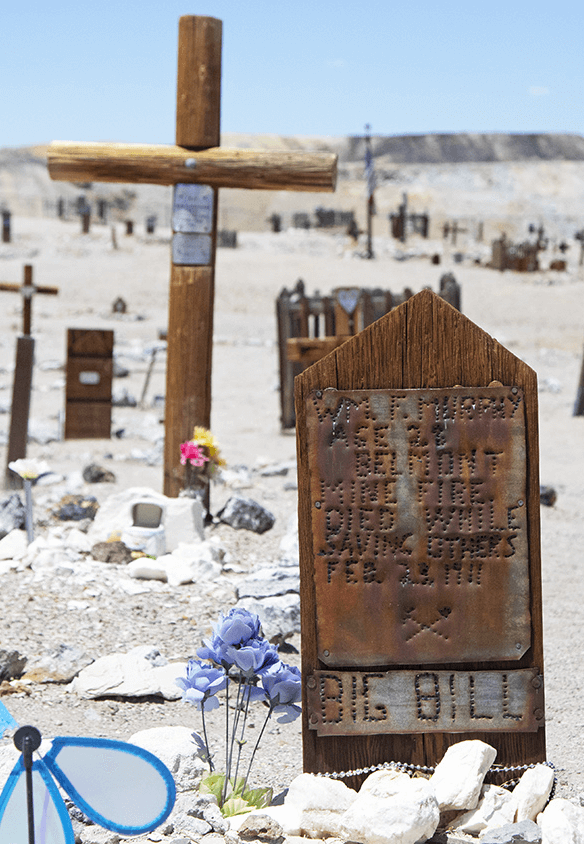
x: 538, y: 316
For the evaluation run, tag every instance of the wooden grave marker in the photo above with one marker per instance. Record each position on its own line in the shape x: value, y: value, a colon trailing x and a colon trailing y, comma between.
x: 419, y: 545
x: 197, y: 166
x: 22, y: 384
x: 88, y: 402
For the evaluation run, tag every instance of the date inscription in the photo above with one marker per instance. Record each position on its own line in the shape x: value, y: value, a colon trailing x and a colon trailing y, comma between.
x: 419, y: 525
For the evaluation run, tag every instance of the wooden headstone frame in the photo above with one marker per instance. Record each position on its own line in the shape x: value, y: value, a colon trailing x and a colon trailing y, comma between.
x: 88, y: 406
x: 419, y: 545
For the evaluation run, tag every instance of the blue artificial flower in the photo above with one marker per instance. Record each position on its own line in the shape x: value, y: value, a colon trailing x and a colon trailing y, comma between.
x: 254, y: 658
x: 238, y: 627
x: 283, y: 686
x: 202, y: 684
x: 215, y: 650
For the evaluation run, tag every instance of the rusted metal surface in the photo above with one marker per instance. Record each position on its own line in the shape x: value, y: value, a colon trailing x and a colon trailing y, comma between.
x: 355, y: 703
x: 419, y: 525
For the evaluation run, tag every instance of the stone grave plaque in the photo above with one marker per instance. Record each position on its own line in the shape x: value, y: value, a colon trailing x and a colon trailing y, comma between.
x: 192, y: 209
x: 419, y: 525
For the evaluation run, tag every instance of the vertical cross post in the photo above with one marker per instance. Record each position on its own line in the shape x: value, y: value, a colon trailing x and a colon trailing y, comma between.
x: 189, y: 352
x: 22, y: 384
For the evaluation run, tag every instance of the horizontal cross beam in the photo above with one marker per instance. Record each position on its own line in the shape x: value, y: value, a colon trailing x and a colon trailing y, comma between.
x: 168, y: 165
x: 27, y: 289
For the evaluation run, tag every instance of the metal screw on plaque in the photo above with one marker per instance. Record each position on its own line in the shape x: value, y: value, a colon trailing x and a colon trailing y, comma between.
x: 311, y: 683
x: 514, y: 390
x: 191, y: 163
x: 319, y: 394
x: 314, y: 719
x: 318, y: 505
x: 538, y: 714
x: 518, y: 646
x: 536, y: 682
x: 520, y: 502
x: 326, y: 653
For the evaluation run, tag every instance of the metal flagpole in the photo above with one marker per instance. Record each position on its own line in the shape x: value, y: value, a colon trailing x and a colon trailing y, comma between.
x: 370, y: 180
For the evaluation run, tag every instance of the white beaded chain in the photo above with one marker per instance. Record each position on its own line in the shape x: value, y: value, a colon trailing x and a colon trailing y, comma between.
x: 408, y: 767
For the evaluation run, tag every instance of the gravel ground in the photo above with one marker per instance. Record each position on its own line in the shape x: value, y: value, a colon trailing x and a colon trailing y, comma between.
x: 538, y: 316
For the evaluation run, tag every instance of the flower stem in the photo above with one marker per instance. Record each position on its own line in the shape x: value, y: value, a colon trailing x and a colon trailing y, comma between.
x: 226, y: 745
x: 242, y: 733
x: 28, y: 509
x: 211, y: 766
x: 257, y: 744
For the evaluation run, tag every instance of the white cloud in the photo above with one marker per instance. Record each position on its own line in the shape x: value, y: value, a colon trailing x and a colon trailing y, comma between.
x: 538, y: 91
x: 336, y: 63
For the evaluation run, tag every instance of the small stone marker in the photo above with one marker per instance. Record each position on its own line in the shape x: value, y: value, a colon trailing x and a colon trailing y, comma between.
x: 89, y: 384
x: 419, y: 545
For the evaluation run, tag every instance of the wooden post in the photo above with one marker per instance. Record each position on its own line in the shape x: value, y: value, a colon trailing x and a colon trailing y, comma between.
x: 195, y: 160
x: 85, y: 221
x: 22, y: 384
x: 190, y: 313
x: 393, y: 417
x: 6, y: 227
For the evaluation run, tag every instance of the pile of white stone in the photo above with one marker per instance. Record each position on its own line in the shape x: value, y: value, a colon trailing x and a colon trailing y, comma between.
x: 393, y: 808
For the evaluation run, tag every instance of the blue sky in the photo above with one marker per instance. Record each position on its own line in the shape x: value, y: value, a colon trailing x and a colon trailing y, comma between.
x: 107, y: 71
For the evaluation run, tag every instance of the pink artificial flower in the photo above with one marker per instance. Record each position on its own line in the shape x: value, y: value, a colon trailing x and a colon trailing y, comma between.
x: 193, y: 453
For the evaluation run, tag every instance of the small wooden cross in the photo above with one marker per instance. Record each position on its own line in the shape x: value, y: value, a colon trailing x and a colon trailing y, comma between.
x: 196, y: 159
x: 28, y: 290
x: 22, y: 384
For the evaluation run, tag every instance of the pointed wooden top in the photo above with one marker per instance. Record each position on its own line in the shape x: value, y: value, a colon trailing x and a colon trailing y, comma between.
x: 423, y: 343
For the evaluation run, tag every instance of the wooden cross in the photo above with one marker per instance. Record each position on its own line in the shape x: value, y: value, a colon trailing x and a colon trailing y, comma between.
x: 22, y: 384
x: 196, y: 159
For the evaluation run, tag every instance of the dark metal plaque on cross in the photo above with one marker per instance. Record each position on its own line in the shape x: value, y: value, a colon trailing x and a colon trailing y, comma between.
x: 195, y: 159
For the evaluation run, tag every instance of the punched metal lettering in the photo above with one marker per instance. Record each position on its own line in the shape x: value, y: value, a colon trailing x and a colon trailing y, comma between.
x: 419, y: 525
x: 352, y: 703
x: 192, y: 209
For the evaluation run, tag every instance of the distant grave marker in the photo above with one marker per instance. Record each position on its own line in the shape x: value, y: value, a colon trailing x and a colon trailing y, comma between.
x: 6, y: 216
x: 196, y: 159
x: 419, y: 545
x: 22, y: 385
x: 88, y: 403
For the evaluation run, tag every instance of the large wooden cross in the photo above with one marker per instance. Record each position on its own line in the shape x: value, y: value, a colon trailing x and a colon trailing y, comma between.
x: 196, y: 159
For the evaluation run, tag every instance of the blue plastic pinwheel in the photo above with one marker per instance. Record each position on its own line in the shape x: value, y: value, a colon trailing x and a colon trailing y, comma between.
x: 117, y: 785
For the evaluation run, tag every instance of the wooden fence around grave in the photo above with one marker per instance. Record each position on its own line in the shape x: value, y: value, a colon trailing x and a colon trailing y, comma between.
x: 309, y: 327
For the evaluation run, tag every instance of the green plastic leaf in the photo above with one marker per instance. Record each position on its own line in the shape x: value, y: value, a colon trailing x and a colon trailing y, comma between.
x: 235, y: 806
x: 213, y: 784
x: 259, y: 797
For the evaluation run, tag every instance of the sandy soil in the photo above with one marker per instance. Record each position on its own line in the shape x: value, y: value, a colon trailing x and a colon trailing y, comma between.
x: 540, y: 317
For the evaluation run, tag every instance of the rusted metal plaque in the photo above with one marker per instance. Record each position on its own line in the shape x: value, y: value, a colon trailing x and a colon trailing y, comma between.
x: 353, y: 703
x: 419, y: 525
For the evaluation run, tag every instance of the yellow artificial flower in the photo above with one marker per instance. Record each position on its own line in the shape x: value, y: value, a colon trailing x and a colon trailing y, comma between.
x: 204, y: 437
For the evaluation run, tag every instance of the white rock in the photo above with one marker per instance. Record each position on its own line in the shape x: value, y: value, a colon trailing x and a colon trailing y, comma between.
x: 562, y: 822
x: 320, y: 802
x: 289, y: 817
x: 146, y: 569
x: 183, y: 517
x: 496, y: 807
x: 14, y: 545
x: 532, y: 791
x: 458, y: 778
x: 177, y: 749
x: 279, y: 615
x: 78, y: 541
x: 384, y: 783
x: 392, y: 811
x: 128, y: 675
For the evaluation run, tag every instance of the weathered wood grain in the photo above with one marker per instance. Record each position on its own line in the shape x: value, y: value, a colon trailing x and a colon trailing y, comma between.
x: 422, y: 343
x: 158, y: 164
